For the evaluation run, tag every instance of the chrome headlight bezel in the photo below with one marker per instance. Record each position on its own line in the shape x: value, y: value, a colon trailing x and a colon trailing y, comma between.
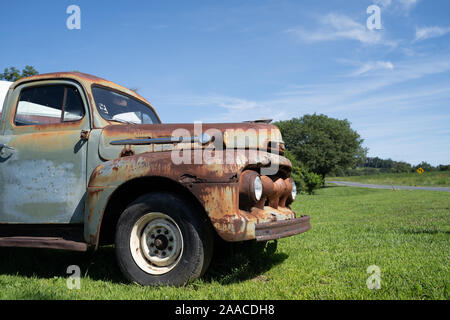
x: 294, y: 190
x: 257, y: 188
x: 251, y: 189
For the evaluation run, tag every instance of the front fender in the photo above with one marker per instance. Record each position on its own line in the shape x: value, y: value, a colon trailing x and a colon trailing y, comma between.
x: 215, y: 185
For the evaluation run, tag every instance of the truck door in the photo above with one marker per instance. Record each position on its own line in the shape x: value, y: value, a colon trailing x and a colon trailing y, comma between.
x: 42, y: 156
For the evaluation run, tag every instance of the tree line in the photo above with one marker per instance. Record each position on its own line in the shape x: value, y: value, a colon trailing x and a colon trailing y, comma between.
x: 13, y: 74
x: 375, y: 165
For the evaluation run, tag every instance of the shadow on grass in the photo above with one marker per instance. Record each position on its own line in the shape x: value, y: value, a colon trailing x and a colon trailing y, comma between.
x: 234, y: 264
x: 229, y: 266
x: 47, y: 264
x: 328, y: 186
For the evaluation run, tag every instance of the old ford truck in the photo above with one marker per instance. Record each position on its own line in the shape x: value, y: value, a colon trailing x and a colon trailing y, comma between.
x: 85, y: 162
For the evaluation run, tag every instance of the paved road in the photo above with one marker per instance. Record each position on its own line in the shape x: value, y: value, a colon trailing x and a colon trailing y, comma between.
x: 378, y: 186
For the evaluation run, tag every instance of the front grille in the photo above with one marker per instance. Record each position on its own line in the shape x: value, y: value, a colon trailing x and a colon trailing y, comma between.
x: 281, y: 196
x: 276, y: 190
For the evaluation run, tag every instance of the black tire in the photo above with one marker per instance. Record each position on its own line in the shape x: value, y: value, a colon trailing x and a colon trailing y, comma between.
x: 183, y: 221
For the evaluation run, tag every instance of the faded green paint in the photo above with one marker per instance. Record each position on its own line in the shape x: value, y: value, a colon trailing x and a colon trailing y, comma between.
x: 43, y: 180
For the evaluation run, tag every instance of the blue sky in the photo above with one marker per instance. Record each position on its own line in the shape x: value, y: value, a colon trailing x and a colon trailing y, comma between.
x: 227, y: 61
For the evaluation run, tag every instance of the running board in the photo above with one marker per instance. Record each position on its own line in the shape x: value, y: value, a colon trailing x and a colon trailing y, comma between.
x: 43, y: 242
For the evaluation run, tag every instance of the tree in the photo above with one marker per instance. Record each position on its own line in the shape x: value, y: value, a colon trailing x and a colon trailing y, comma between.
x: 378, y: 163
x: 13, y: 74
x: 425, y: 166
x: 401, y: 167
x: 322, y: 143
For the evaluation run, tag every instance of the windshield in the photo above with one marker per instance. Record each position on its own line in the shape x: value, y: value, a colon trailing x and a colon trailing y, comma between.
x: 114, y: 106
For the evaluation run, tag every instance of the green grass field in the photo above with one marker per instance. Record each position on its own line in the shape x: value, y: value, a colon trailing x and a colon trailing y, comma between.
x: 426, y: 179
x: 405, y: 233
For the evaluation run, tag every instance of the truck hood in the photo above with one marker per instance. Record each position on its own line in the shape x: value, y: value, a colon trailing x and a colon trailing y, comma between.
x: 259, y: 136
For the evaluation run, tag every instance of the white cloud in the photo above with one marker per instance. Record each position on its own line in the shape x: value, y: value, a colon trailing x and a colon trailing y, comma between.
x: 340, y: 27
x: 383, y: 3
x: 373, y: 66
x: 353, y: 94
x: 397, y: 4
x: 408, y: 4
x: 430, y: 32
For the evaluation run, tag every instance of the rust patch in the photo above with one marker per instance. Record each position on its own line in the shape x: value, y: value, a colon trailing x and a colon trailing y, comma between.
x: 190, y: 179
x: 286, y: 193
x: 280, y: 229
x: 126, y: 152
x: 93, y: 196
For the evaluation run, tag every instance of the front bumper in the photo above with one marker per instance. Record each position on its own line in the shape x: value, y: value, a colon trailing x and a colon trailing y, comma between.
x: 281, y: 229
x: 260, y: 224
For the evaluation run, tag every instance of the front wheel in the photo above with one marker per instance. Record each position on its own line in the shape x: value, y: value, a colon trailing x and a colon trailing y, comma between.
x: 162, y: 240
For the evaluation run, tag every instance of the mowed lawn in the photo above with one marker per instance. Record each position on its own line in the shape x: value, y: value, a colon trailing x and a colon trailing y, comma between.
x: 426, y: 179
x: 405, y: 233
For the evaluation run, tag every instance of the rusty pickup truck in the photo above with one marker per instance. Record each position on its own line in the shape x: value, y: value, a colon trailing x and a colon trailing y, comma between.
x: 85, y: 162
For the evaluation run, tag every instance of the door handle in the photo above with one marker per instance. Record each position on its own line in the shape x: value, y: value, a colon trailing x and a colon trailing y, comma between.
x: 84, y: 135
x: 5, y: 151
x: 5, y: 146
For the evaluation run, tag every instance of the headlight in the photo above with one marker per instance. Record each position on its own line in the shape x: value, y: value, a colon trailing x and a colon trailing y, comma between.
x: 294, y: 190
x: 258, y: 188
x: 251, y: 189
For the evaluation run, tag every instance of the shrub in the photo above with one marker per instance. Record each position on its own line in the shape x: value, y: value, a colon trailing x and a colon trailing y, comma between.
x: 299, y: 178
x: 298, y: 171
x: 312, y: 181
x: 305, y: 180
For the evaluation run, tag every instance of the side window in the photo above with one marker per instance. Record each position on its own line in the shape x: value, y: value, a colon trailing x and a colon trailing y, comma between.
x: 49, y: 105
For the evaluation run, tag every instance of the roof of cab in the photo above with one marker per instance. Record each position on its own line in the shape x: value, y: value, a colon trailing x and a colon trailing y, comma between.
x: 58, y: 75
x: 82, y: 78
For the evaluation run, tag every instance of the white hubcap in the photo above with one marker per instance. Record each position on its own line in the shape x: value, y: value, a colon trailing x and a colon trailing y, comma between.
x: 156, y: 243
